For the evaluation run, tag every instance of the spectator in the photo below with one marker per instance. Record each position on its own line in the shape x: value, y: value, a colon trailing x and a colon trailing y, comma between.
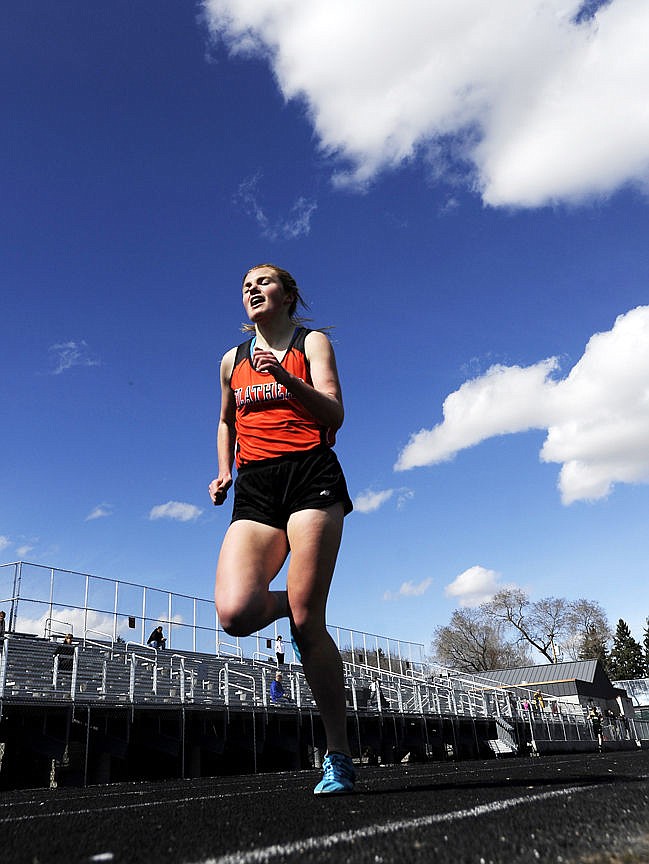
x: 157, y: 639
x: 376, y: 694
x: 65, y: 653
x: 2, y: 627
x: 279, y: 650
x: 277, y: 693
x: 596, y: 724
x: 611, y: 722
x: 625, y: 726
x: 538, y: 700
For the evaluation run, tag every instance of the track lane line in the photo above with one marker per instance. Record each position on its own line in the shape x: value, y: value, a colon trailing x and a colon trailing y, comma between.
x: 317, y: 844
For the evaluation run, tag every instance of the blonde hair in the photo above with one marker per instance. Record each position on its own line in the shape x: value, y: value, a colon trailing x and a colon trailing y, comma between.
x: 289, y: 285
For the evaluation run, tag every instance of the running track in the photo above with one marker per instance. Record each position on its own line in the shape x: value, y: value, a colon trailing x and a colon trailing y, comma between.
x: 574, y: 808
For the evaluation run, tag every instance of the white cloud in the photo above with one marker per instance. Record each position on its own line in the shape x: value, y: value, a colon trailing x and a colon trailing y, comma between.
x: 68, y: 620
x: 409, y: 589
x: 537, y: 99
x: 65, y: 355
x: 369, y: 501
x: 95, y: 625
x: 175, y: 510
x: 23, y: 551
x: 596, y: 418
x: 5, y: 542
x: 404, y: 495
x: 99, y: 512
x: 296, y: 224
x: 474, y: 586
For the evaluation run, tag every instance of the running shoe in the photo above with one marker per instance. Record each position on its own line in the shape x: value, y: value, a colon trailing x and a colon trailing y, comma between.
x: 338, y: 775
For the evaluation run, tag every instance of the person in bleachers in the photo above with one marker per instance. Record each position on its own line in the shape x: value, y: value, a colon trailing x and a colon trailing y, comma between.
x: 277, y: 693
x: 65, y: 653
x: 157, y: 639
x: 279, y: 650
x: 2, y: 627
x: 376, y: 696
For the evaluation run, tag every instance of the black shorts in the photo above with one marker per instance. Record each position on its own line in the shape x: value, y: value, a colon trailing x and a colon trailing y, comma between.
x: 270, y: 490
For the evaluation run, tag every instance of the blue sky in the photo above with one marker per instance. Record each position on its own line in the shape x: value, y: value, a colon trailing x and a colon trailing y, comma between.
x: 462, y: 197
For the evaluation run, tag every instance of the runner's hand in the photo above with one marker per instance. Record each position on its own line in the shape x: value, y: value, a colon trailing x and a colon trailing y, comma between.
x: 218, y: 488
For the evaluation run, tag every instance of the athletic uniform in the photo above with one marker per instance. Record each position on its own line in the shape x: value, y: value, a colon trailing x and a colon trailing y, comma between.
x: 283, y: 455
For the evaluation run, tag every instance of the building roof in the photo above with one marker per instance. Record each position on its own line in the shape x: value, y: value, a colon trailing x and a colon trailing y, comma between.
x: 583, y: 677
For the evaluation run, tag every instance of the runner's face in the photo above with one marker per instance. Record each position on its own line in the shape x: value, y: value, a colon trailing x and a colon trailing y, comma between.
x: 263, y: 293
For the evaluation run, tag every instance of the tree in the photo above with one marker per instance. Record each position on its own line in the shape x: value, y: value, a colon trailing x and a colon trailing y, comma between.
x: 538, y: 624
x: 645, y: 647
x: 553, y: 625
x: 625, y: 661
x: 470, y: 643
x: 593, y: 647
x: 590, y: 628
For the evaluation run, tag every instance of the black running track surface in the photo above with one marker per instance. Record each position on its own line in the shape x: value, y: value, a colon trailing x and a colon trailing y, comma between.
x: 574, y: 808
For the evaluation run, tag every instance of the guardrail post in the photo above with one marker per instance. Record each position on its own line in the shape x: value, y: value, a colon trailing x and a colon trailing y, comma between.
x: 264, y: 688
x: 535, y: 749
x: 75, y: 670
x: 131, y: 684
x: 3, y: 665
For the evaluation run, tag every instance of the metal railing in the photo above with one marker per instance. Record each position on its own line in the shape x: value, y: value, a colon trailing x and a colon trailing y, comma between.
x: 124, y: 610
x: 236, y: 683
x: 50, y: 633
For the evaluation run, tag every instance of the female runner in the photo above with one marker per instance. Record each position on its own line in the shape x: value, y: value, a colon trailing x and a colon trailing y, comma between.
x: 281, y: 405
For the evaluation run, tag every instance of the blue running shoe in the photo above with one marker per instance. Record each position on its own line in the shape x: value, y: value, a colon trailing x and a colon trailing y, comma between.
x: 338, y: 775
x: 296, y: 650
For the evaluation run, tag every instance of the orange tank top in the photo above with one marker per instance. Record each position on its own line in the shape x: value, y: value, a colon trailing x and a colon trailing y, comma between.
x: 269, y: 421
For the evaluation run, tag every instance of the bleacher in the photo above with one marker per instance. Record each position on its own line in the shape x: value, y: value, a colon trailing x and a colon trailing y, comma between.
x: 234, y: 674
x: 116, y: 708
x: 134, y: 674
x: 130, y: 672
x: 213, y: 714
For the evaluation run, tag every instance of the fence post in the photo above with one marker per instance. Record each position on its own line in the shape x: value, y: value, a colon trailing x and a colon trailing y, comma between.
x: 75, y: 670
x: 131, y: 683
x: 3, y: 665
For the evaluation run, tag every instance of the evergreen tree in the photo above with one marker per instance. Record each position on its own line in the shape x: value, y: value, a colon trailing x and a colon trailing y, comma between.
x: 593, y: 647
x: 645, y: 646
x: 626, y: 658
